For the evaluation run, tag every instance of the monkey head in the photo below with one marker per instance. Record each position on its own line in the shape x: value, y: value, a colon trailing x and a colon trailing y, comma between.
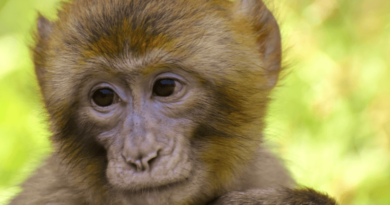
x: 164, y: 99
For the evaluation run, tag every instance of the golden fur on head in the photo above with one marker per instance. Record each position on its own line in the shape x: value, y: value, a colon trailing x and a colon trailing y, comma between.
x: 232, y: 49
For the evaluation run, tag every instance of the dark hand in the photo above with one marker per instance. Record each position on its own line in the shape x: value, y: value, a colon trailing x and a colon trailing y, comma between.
x: 283, y: 196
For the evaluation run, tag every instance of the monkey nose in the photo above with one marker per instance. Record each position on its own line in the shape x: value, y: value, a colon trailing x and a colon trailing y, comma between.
x: 140, y: 162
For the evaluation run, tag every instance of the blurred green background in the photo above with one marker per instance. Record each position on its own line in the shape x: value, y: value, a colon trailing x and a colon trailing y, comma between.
x: 330, y: 120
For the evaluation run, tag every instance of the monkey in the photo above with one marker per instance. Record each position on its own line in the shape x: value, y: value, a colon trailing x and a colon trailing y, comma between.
x: 160, y: 102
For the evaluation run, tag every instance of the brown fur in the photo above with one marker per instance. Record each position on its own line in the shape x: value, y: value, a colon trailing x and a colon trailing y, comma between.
x: 232, y: 54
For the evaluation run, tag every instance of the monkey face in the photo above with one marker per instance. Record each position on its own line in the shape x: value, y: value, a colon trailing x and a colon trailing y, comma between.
x: 168, y: 131
x: 146, y: 132
x: 155, y: 97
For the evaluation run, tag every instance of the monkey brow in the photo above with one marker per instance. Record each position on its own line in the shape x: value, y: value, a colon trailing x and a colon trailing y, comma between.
x: 127, y: 70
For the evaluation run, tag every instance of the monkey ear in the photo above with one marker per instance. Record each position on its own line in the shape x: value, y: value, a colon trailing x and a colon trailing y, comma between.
x: 44, y: 27
x: 267, y: 36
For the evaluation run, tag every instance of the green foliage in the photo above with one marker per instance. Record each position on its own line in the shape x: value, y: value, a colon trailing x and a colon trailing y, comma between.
x: 330, y: 120
x: 335, y: 104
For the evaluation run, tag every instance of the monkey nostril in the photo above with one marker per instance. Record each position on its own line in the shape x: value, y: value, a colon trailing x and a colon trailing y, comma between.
x: 141, y: 163
x: 149, y: 160
x: 136, y: 164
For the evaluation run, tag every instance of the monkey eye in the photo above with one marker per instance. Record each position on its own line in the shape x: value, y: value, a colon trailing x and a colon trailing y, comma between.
x: 166, y: 87
x: 104, y: 97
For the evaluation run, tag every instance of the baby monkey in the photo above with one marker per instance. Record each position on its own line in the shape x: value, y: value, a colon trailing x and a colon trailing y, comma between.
x: 160, y: 102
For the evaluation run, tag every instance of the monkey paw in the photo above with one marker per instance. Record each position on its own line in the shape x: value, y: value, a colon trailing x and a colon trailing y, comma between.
x: 283, y: 196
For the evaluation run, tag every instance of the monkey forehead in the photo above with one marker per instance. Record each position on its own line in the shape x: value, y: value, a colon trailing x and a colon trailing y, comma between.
x: 135, y: 23
x: 135, y: 28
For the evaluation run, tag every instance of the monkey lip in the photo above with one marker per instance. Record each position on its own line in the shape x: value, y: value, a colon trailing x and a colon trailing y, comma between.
x: 146, y: 182
x: 159, y: 188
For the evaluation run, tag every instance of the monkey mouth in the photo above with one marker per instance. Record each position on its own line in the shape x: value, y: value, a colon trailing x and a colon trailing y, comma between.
x: 155, y: 179
x: 158, y: 188
x: 133, y: 182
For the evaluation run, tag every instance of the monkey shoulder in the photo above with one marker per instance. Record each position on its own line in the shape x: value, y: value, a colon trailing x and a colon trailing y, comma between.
x: 267, y: 182
x: 265, y: 171
x: 48, y: 186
